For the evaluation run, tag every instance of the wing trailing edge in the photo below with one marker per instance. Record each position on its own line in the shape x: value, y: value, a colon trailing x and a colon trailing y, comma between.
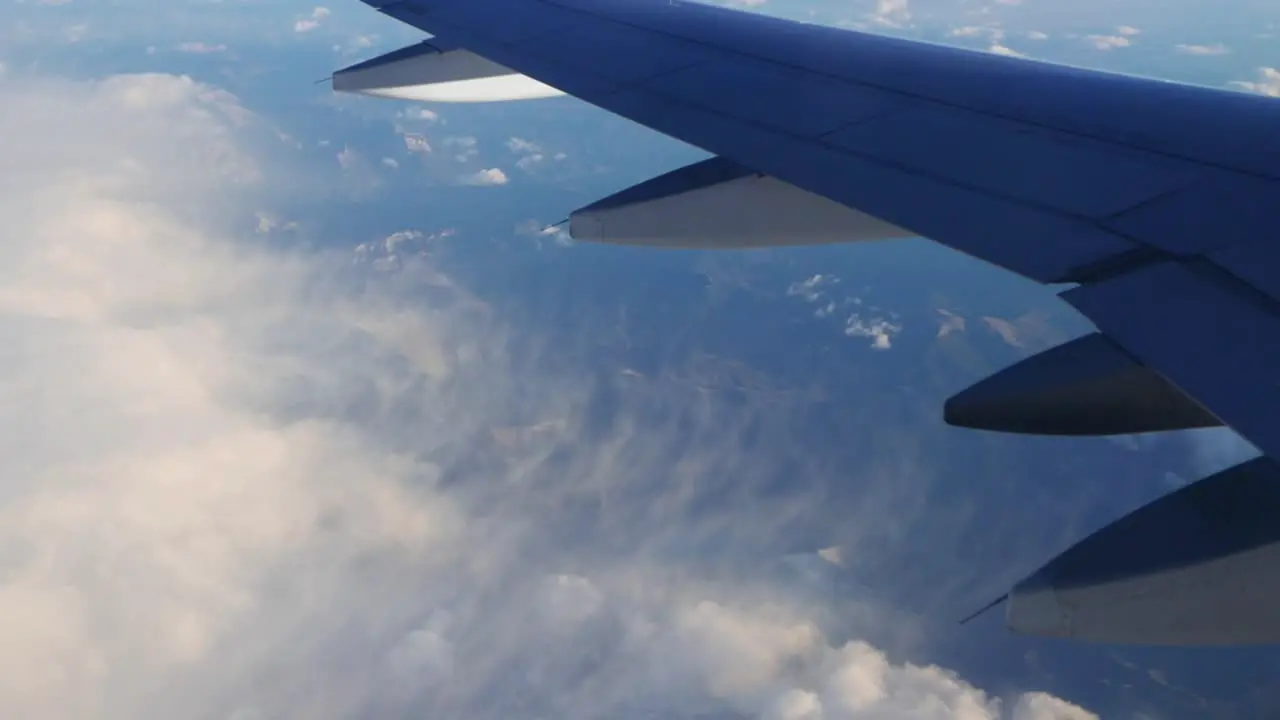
x: 1196, y: 567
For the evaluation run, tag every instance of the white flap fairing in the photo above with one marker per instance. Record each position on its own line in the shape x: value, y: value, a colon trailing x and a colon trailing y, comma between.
x: 435, y: 72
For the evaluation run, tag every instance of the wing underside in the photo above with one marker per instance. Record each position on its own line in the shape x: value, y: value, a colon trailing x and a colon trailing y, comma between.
x: 1158, y: 200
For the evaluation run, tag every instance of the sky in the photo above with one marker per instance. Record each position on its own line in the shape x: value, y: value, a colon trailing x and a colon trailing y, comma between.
x: 253, y: 470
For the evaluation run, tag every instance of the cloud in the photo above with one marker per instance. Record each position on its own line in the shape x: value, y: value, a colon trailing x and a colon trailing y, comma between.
x: 881, y: 330
x: 356, y: 44
x: 891, y: 13
x: 520, y: 146
x: 1037, y: 35
x: 558, y: 234
x: 421, y: 113
x: 1127, y: 30
x: 1216, y: 449
x: 993, y: 33
x: 999, y: 49
x: 76, y: 33
x: 1268, y: 82
x: 251, y: 479
x: 532, y: 156
x: 812, y: 288
x: 489, y: 176
x: 1108, y: 42
x: 1215, y: 49
x: 201, y: 48
x: 416, y: 143
x: 464, y: 147
x: 312, y: 21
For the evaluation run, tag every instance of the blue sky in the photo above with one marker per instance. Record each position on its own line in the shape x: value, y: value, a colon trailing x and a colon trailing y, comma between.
x: 278, y: 445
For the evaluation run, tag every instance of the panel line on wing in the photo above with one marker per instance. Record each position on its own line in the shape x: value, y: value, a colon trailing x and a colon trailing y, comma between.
x: 612, y: 16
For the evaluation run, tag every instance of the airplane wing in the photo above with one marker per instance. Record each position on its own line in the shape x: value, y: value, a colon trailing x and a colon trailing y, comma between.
x: 1160, y: 201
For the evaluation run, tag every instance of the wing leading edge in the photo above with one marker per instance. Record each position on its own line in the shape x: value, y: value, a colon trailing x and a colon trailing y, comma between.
x: 1156, y: 198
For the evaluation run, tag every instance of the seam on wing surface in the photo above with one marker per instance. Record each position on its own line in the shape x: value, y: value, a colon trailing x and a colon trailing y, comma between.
x: 1077, y: 180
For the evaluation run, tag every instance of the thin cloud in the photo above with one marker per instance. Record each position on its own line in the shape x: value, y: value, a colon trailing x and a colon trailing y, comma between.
x: 464, y: 148
x: 247, y: 480
x: 1215, y: 49
x: 201, y: 48
x: 1108, y: 42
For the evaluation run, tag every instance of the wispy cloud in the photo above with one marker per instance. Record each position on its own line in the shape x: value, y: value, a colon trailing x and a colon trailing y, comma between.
x: 1215, y: 49
x: 201, y: 48
x: 312, y: 21
x: 1108, y: 42
x: 245, y: 479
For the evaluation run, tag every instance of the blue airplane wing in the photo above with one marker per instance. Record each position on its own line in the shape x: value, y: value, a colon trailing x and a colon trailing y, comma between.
x: 1059, y: 174
x: 1159, y: 200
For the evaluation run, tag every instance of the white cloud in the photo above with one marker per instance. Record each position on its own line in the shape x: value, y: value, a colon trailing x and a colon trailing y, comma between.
x: 1127, y: 30
x: 421, y: 113
x: 531, y: 161
x: 1042, y: 706
x: 520, y: 146
x: 250, y: 480
x: 539, y: 231
x: 1108, y: 42
x: 532, y: 156
x: 891, y: 13
x: 464, y: 148
x: 348, y: 158
x: 1268, y: 82
x: 812, y: 288
x: 77, y: 32
x: 415, y: 143
x: 489, y: 176
x: 1037, y: 35
x: 201, y: 48
x: 999, y: 49
x: 356, y: 44
x: 390, y: 162
x: 881, y: 330
x: 1215, y: 49
x: 312, y: 21
x: 991, y: 33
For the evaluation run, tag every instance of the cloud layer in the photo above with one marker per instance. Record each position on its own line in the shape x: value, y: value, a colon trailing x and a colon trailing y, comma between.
x: 248, y: 480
